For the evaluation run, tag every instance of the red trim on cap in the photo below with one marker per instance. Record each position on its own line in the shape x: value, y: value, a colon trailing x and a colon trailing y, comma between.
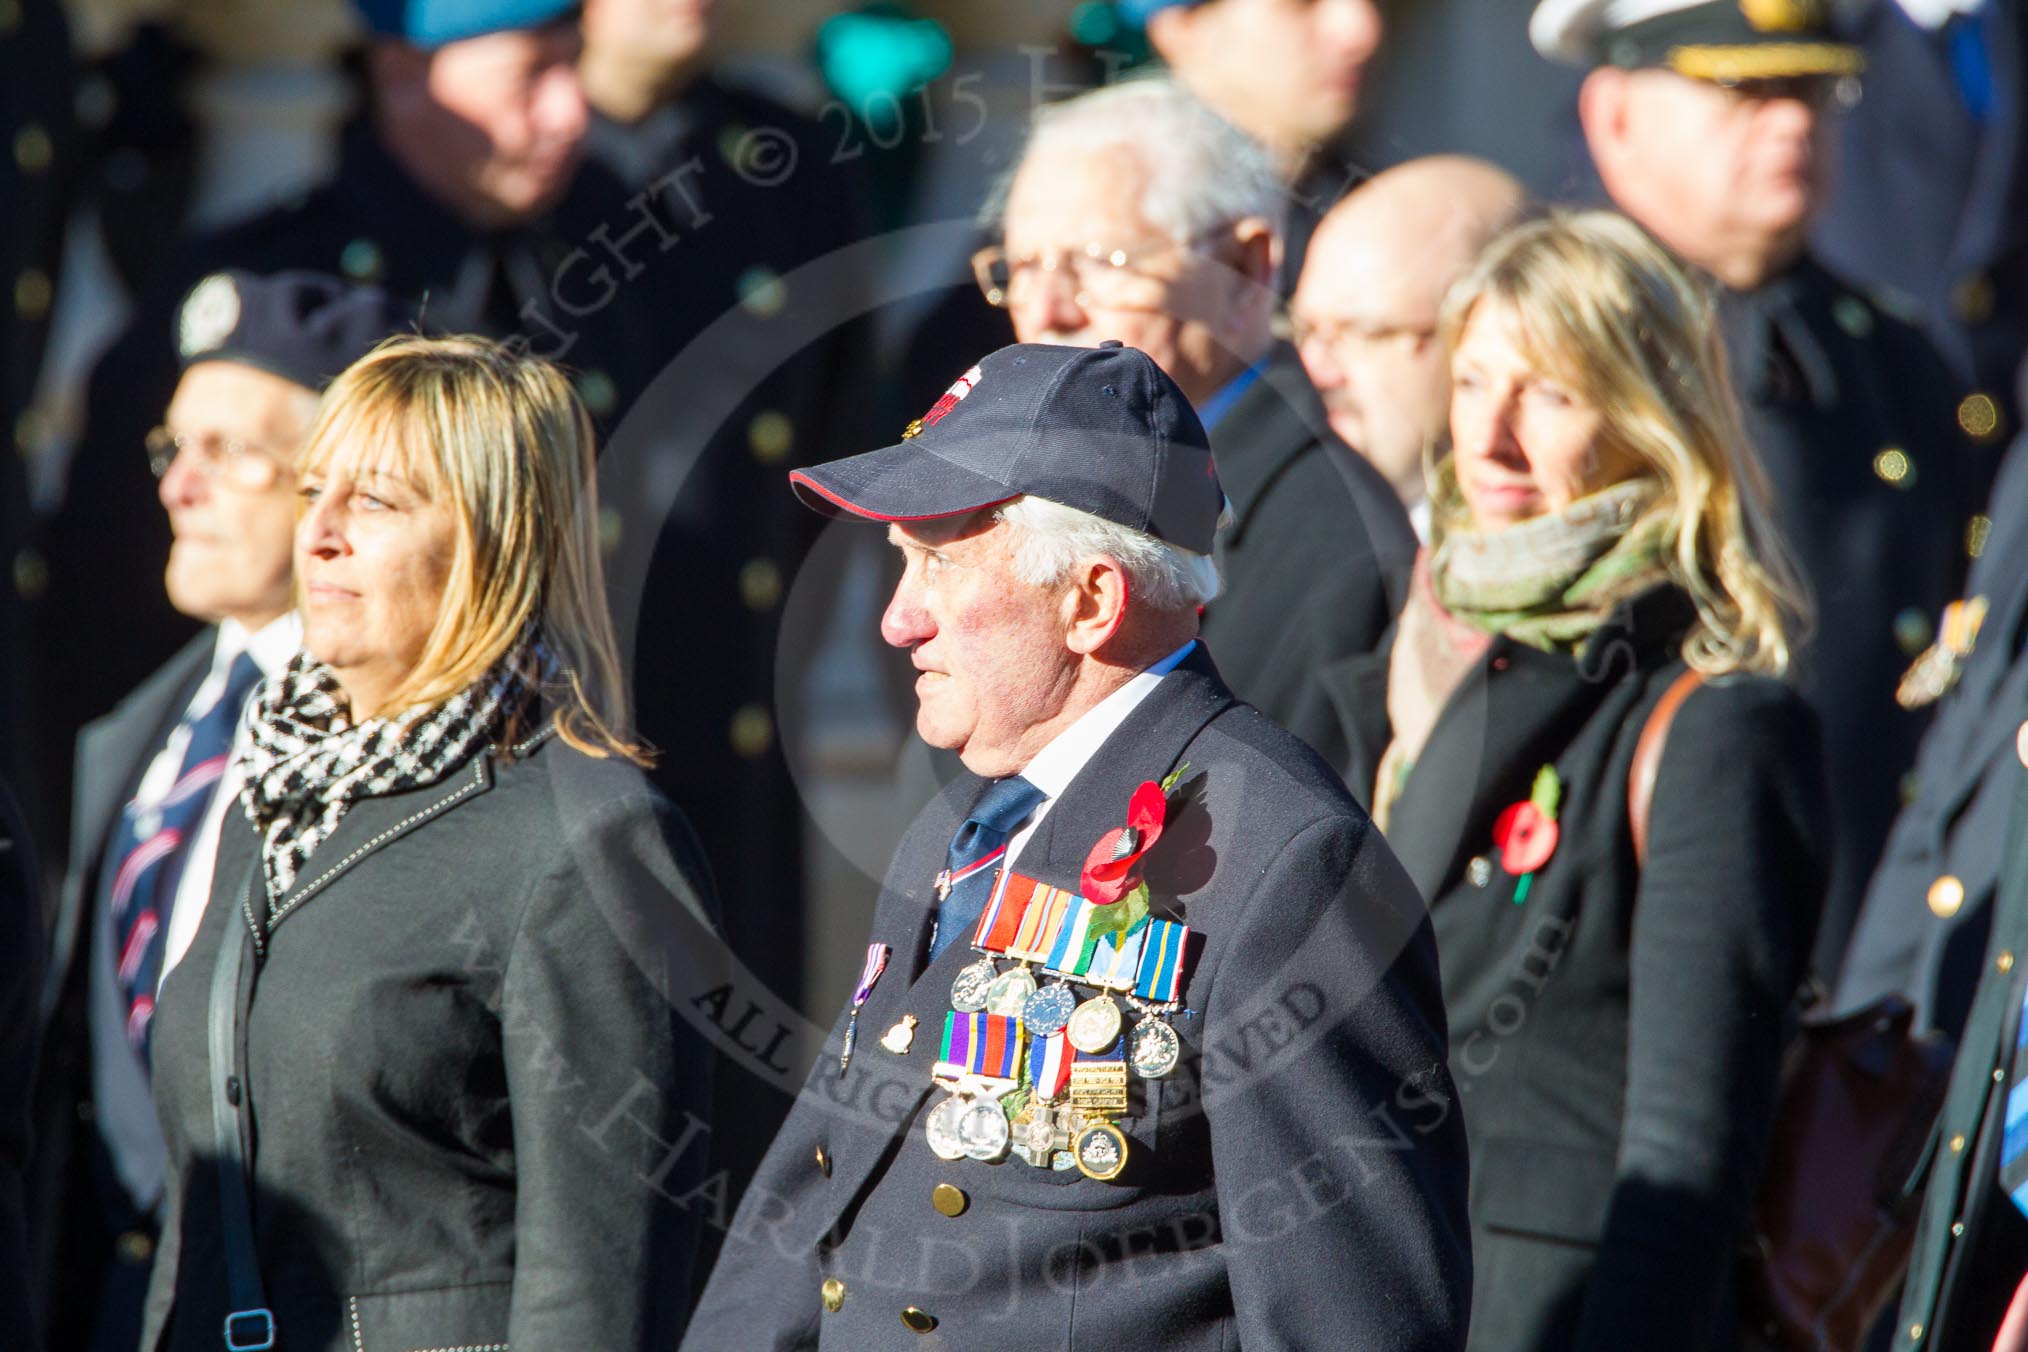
x: 798, y: 477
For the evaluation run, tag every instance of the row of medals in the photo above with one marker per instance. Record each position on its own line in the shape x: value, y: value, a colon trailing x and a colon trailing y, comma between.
x: 1076, y: 1132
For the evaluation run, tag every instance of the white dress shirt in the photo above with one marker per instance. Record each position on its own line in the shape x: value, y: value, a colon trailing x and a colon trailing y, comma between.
x: 1068, y: 752
x: 271, y: 648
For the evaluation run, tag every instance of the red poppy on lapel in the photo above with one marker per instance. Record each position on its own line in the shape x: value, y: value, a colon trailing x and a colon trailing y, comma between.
x: 1112, y: 868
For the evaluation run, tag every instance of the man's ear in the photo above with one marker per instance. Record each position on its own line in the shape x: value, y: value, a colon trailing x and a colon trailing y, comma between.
x: 1257, y: 251
x: 1095, y: 605
x: 1169, y: 32
x: 1602, y: 112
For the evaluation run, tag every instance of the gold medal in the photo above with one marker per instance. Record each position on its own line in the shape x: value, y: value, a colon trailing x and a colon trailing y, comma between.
x: 1100, y: 1151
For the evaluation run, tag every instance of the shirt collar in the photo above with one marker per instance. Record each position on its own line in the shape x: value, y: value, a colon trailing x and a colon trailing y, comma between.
x: 272, y: 645
x: 1057, y: 764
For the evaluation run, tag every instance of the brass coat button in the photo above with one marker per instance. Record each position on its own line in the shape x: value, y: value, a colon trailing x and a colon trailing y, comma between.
x: 833, y: 1292
x: 2005, y: 962
x: 949, y: 1200
x: 919, y: 1321
x: 2021, y: 743
x: 823, y: 1162
x: 1957, y: 1145
x: 1946, y: 894
x: 136, y: 1247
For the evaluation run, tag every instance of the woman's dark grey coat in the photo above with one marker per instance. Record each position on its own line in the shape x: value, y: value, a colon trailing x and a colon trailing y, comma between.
x: 470, y: 1091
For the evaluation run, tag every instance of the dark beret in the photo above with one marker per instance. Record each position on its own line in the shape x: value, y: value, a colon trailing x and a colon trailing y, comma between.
x: 302, y: 326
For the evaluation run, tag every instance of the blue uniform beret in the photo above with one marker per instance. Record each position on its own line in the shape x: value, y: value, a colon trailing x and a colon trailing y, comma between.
x: 432, y: 23
x: 301, y: 326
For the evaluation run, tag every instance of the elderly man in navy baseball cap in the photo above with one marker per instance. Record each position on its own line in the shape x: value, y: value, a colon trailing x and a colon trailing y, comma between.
x: 1133, y: 870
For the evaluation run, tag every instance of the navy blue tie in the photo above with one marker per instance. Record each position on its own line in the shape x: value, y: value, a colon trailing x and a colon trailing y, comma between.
x: 969, y: 865
x: 144, y: 858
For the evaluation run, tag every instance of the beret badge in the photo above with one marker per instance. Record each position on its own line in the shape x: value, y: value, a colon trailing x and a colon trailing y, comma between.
x: 208, y: 315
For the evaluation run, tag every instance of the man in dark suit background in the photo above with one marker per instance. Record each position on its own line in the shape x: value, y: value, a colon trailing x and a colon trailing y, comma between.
x: 153, y: 784
x: 1138, y: 214
x: 1704, y: 119
x: 1055, y: 512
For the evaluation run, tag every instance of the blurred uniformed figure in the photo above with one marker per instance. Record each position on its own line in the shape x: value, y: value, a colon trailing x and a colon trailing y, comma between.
x: 1931, y: 193
x: 703, y: 520
x: 1138, y: 214
x: 152, y: 785
x: 37, y: 90
x: 1289, y: 75
x: 1928, y: 912
x: 1704, y: 119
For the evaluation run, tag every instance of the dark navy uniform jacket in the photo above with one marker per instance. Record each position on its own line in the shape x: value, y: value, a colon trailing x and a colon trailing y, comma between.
x: 1855, y: 420
x: 1298, y: 1181
x: 1930, y: 904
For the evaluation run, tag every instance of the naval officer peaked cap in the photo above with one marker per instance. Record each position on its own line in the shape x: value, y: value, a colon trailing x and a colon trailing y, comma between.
x: 1718, y: 40
x: 1104, y: 430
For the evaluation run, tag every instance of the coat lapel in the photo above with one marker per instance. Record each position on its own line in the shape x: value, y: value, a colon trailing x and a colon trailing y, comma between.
x: 372, y: 824
x: 1357, y: 688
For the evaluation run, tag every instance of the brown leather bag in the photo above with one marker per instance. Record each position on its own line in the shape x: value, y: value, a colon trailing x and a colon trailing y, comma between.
x: 1854, y: 1120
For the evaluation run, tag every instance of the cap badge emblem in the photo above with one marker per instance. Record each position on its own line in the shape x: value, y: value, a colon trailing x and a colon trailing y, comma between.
x: 208, y: 315
x: 1783, y: 16
x: 966, y: 383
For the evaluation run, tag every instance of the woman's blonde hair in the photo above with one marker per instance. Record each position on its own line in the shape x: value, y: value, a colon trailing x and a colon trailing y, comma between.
x: 1597, y: 305
x: 499, y: 438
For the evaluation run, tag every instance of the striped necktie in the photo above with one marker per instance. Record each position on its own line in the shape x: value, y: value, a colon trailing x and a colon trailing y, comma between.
x: 2014, y: 1142
x: 145, y: 856
x: 981, y: 840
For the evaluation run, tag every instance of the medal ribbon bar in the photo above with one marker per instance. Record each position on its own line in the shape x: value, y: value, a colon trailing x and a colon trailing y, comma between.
x: 1003, y: 913
x: 1160, y: 975
x: 1047, y: 909
x: 1049, y: 1062
x: 985, y: 1044
x: 1070, y: 955
x: 1117, y: 959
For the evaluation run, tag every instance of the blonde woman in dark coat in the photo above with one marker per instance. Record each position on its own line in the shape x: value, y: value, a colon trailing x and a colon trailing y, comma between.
x: 1615, y: 1029
x: 440, y: 927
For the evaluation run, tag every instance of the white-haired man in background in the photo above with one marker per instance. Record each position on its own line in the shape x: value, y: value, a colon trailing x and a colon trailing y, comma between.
x: 1137, y: 214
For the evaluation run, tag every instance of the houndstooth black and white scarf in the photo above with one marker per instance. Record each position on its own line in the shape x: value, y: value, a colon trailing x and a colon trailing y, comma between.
x: 308, y: 763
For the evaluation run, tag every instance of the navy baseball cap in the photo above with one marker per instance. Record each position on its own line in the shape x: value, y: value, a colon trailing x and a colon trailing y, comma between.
x: 302, y: 326
x: 1104, y: 430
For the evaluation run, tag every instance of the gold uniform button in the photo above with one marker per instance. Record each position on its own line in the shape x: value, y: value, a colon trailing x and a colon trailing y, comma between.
x: 1972, y: 298
x: 1915, y: 1333
x: 833, y: 1292
x: 136, y: 1247
x: 752, y: 731
x: 770, y: 435
x: 823, y: 1162
x: 31, y: 293
x: 1979, y: 416
x: 949, y: 1200
x: 918, y: 1320
x: 32, y: 149
x: 1958, y: 1145
x: 2005, y: 962
x: 2021, y: 743
x: 1894, y: 467
x: 1957, y: 1229
x: 1946, y: 894
x: 760, y: 584
x: 1977, y: 531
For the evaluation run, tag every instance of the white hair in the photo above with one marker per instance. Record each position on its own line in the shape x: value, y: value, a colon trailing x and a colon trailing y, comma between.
x: 1055, y: 539
x: 1203, y: 173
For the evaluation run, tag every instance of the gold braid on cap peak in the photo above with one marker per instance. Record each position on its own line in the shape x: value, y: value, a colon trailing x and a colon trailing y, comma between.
x: 1765, y: 61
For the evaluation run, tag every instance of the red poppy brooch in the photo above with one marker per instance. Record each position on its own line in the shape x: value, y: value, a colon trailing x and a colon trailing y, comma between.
x: 1525, y: 833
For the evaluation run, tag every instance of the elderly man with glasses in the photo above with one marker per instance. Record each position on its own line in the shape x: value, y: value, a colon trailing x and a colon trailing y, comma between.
x: 154, y: 776
x: 1139, y: 215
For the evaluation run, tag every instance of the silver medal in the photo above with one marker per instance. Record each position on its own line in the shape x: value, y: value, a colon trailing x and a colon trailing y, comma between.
x: 945, y: 1140
x: 1155, y: 1049
x: 1009, y: 993
x: 1094, y: 1025
x: 1048, y: 1010
x: 983, y: 1131
x: 968, y: 992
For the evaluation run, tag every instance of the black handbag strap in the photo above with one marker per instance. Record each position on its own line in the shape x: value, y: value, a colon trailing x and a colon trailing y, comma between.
x: 250, y: 1327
